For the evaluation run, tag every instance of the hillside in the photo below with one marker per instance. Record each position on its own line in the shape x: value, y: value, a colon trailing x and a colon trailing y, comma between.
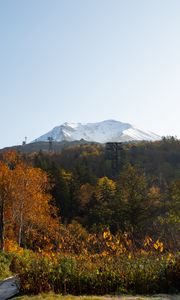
x: 45, y: 146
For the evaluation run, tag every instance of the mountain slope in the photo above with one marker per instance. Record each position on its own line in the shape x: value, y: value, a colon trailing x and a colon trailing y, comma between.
x: 102, y: 132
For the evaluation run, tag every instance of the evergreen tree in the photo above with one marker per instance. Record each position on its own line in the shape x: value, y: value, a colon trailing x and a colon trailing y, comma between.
x: 133, y: 199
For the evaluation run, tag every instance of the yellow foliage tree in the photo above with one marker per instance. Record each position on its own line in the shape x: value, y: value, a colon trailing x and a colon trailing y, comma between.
x: 27, y: 213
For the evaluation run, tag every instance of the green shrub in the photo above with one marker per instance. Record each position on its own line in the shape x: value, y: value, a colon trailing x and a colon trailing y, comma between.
x: 5, y: 261
x: 96, y: 274
x: 173, y: 275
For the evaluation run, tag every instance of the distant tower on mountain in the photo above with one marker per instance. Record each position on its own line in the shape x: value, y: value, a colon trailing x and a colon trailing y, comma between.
x: 25, y: 141
x: 113, y: 153
x: 50, y: 140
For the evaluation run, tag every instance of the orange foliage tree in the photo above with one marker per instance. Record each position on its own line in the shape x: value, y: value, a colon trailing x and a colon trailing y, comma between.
x: 27, y: 216
x: 4, y: 199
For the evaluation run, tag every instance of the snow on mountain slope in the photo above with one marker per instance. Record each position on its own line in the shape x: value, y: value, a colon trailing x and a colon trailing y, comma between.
x: 102, y: 132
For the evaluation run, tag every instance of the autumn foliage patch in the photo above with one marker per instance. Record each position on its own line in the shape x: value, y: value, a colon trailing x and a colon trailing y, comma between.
x: 102, y: 273
x: 115, y: 236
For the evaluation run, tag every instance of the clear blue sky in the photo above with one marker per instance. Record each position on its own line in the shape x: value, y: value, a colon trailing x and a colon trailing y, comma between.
x: 86, y: 61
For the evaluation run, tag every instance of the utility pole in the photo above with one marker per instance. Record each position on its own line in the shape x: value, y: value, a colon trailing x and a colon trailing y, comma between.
x: 113, y: 153
x: 25, y: 141
x: 50, y: 139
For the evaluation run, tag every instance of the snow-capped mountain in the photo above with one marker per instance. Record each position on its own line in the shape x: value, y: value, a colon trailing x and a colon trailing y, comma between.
x: 102, y: 132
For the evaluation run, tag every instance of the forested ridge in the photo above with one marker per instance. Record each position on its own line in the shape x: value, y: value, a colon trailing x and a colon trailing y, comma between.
x: 140, y: 196
x: 102, y: 223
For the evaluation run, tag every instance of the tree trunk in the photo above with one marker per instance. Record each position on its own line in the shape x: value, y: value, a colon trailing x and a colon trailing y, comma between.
x: 1, y: 224
x: 20, y: 226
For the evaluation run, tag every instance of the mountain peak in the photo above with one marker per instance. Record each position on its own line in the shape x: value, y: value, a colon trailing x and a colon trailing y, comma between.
x: 102, y: 132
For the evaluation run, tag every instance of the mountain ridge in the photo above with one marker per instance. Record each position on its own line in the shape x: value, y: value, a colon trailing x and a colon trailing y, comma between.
x: 101, y: 132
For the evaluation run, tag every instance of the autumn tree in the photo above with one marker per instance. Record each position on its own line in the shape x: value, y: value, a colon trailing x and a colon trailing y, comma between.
x: 169, y: 218
x: 101, y: 203
x: 4, y: 199
x: 133, y: 200
x: 25, y: 203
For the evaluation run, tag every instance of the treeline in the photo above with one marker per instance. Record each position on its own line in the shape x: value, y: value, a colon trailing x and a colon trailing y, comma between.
x: 137, y: 194
x: 86, y: 221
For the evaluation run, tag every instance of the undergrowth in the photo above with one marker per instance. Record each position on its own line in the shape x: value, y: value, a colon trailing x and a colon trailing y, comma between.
x: 97, y: 274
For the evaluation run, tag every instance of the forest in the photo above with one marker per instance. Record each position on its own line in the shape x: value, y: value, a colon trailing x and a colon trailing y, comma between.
x: 92, y: 220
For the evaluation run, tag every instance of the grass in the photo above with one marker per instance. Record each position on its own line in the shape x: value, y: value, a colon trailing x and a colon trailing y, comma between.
x: 60, y: 297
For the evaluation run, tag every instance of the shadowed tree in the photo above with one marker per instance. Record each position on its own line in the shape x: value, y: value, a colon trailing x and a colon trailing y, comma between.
x: 133, y: 200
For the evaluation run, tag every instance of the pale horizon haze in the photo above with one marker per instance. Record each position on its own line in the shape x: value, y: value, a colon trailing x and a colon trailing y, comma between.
x: 88, y: 61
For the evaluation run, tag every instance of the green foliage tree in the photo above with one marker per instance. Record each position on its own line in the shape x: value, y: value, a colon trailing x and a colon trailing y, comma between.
x: 133, y: 199
x: 169, y: 218
x: 101, y: 204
